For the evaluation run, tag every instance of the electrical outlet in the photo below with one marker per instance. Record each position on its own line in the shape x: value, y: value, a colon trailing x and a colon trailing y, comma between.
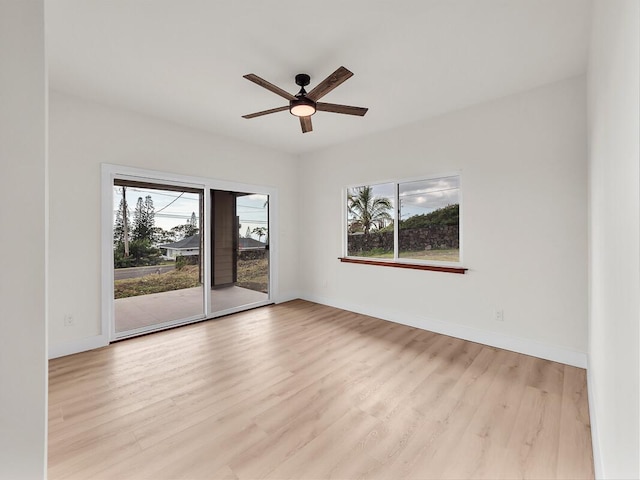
x: 68, y: 320
x: 499, y: 315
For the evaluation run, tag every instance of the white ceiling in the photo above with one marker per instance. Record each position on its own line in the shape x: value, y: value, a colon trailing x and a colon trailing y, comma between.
x: 412, y: 59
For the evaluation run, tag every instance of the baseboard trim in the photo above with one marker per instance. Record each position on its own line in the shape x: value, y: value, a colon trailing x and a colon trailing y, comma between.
x: 493, y: 339
x: 287, y: 297
x: 595, y: 444
x: 70, y: 347
x: 76, y: 346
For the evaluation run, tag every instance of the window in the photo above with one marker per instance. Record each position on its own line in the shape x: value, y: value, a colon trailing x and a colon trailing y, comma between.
x: 370, y: 220
x: 415, y: 222
x: 429, y: 223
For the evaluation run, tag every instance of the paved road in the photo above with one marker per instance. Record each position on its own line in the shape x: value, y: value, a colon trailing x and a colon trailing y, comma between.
x: 135, y: 272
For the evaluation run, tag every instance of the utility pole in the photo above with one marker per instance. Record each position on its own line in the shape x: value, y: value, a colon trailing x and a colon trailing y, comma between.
x: 125, y: 221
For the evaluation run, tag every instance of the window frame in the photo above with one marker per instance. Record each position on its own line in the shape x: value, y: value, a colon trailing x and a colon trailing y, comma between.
x: 397, y: 261
x: 109, y: 172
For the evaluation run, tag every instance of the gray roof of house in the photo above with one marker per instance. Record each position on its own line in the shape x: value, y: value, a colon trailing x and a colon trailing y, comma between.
x: 250, y: 243
x: 194, y: 242
x: 185, y: 243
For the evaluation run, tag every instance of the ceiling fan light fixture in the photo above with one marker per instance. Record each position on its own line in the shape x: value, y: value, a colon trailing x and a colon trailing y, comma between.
x: 302, y: 107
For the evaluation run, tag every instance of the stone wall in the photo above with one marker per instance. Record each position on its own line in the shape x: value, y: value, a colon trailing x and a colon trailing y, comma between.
x: 430, y: 238
x: 415, y: 239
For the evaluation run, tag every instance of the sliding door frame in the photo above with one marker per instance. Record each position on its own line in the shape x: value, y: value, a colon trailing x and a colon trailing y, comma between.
x: 111, y: 172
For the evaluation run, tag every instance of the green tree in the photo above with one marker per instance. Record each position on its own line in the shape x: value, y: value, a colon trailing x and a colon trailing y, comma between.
x: 143, y: 219
x: 122, y: 215
x: 142, y: 253
x: 160, y: 235
x: 192, y: 225
x: 449, y: 215
x: 260, y: 231
x: 368, y: 211
x: 188, y: 229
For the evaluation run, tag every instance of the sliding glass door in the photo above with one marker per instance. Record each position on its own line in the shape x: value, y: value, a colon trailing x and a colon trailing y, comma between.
x: 179, y: 249
x: 157, y: 256
x: 239, y: 250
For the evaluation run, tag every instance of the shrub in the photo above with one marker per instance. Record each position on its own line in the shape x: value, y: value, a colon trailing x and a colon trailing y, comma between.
x: 181, y: 261
x: 449, y: 215
x: 141, y: 253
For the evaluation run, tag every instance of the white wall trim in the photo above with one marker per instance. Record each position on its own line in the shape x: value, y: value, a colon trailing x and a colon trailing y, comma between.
x: 287, y: 297
x: 493, y: 339
x: 76, y: 346
x: 595, y: 443
x: 500, y: 340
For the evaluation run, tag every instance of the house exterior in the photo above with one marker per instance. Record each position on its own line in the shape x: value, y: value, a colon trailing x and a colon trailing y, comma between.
x: 250, y: 244
x: 190, y: 246
x: 186, y: 247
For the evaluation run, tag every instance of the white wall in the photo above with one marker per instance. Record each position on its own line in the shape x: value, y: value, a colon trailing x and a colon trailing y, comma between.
x: 524, y: 185
x: 82, y: 136
x: 614, y: 130
x: 23, y: 367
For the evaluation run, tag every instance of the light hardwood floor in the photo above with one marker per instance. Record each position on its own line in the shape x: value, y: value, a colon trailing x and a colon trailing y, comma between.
x: 300, y: 390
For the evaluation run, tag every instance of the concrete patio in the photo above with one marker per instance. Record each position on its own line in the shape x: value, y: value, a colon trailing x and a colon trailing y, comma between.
x: 142, y: 311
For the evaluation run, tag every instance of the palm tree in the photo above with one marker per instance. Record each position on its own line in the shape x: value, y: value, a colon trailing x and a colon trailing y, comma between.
x: 260, y: 231
x: 368, y: 210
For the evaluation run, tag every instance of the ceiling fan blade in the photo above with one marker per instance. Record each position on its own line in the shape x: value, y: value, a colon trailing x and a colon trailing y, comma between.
x: 305, y: 123
x: 329, y: 83
x: 346, y: 109
x: 269, y: 86
x: 266, y: 112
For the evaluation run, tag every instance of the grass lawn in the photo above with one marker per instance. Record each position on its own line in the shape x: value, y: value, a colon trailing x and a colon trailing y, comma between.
x: 157, y: 282
x: 252, y: 274
x: 445, y: 255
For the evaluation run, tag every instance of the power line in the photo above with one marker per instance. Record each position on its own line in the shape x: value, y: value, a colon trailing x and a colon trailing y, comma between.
x: 251, y: 206
x: 155, y: 192
x: 174, y: 215
x: 174, y: 200
x: 166, y: 215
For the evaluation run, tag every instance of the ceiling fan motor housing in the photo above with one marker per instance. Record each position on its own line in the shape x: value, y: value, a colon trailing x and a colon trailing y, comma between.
x: 302, y: 106
x: 302, y: 79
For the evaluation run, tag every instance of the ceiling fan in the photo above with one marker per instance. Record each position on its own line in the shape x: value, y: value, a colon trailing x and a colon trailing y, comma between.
x: 305, y: 104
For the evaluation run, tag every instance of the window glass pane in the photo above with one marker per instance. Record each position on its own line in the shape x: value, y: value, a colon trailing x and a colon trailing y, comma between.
x: 239, y: 250
x: 429, y: 224
x: 157, y: 258
x: 370, y: 220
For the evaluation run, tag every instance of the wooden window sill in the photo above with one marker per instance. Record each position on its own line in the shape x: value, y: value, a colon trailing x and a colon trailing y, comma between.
x: 413, y: 266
